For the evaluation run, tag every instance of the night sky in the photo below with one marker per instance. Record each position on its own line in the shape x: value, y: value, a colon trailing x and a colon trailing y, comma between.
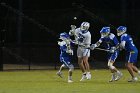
x: 51, y: 13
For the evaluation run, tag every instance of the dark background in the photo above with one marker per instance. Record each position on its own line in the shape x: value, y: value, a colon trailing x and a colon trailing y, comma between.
x: 29, y: 37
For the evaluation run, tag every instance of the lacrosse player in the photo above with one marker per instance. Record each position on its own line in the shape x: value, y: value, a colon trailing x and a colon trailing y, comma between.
x: 83, y: 40
x: 131, y: 52
x: 66, y: 54
x: 110, y: 42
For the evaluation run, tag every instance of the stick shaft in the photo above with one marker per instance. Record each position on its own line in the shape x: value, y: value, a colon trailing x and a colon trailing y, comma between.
x: 102, y: 49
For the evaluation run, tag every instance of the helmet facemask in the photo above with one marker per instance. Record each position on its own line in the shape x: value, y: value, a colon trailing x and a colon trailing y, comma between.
x: 84, y: 26
x: 105, y: 31
x: 119, y: 33
x: 104, y: 34
x: 121, y: 30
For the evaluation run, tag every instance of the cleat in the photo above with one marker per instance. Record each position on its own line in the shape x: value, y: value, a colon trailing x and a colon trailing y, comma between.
x: 111, y: 80
x: 112, y: 77
x: 59, y: 74
x: 70, y: 81
x: 88, y: 76
x: 133, y: 79
x: 119, y: 75
x: 139, y: 73
x: 83, y: 77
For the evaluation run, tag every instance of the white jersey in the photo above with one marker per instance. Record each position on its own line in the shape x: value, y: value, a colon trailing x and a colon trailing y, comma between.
x: 85, y: 41
x: 85, y: 36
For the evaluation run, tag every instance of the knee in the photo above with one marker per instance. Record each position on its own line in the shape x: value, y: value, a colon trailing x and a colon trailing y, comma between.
x: 71, y: 68
x: 128, y: 65
x: 85, y: 60
x: 110, y: 65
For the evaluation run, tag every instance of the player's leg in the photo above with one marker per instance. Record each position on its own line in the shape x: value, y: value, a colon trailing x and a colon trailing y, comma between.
x: 88, y: 74
x: 131, y: 58
x: 82, y: 67
x: 70, y: 72
x: 113, y: 71
x: 130, y: 70
x: 116, y: 74
x: 136, y: 69
x: 80, y: 62
x: 59, y: 73
x: 86, y: 55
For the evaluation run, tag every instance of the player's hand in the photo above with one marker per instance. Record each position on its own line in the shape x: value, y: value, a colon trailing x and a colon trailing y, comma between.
x: 93, y: 46
x: 59, y: 42
x: 112, y: 50
x: 73, y: 27
x: 70, y: 52
x: 75, y: 42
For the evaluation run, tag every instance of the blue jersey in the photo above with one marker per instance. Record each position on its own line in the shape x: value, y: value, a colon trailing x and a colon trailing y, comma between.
x: 65, y: 57
x: 109, y: 41
x: 131, y: 50
x: 63, y: 48
x: 129, y: 45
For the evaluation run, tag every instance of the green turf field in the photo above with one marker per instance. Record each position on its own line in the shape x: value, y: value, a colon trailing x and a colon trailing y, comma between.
x: 46, y: 81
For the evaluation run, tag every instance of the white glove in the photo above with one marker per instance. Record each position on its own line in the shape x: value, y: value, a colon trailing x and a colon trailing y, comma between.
x: 67, y: 41
x: 72, y: 31
x: 70, y: 51
x: 112, y: 50
x: 75, y: 42
x: 73, y: 27
x: 61, y: 43
x: 93, y: 46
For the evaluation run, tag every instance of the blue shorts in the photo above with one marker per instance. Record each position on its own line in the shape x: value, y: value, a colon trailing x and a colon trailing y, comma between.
x: 131, y: 57
x: 113, y: 56
x: 66, y: 61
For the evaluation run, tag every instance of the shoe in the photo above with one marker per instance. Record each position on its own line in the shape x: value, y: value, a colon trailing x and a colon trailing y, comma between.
x: 133, y: 79
x: 119, y: 75
x: 59, y: 74
x: 70, y: 81
x: 88, y: 76
x: 112, y: 77
x: 139, y: 73
x: 83, y: 77
x: 111, y: 80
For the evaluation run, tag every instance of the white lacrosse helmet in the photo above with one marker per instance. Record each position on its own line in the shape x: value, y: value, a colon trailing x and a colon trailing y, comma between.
x: 85, y: 26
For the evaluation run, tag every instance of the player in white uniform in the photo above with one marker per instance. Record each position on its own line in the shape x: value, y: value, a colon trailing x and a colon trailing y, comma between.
x: 83, y: 39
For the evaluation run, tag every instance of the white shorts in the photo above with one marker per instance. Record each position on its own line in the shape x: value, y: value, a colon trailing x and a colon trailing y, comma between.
x: 81, y: 52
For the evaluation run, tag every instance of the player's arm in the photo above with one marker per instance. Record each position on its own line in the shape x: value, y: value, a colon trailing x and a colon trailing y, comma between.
x: 119, y: 46
x: 69, y: 47
x: 122, y: 44
x: 72, y: 31
x: 97, y: 44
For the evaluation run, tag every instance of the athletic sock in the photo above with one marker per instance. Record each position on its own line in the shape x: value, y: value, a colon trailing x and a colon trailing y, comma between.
x: 88, y: 72
x: 69, y: 77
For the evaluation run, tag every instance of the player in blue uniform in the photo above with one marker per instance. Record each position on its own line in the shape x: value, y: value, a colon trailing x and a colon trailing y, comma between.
x: 110, y: 42
x: 65, y: 55
x: 131, y: 51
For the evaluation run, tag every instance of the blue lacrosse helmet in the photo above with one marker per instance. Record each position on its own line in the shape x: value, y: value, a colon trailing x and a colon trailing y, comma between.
x: 64, y: 36
x: 105, y: 31
x: 121, y: 30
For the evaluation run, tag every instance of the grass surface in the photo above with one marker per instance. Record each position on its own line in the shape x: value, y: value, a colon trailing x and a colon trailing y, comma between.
x: 47, y: 81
